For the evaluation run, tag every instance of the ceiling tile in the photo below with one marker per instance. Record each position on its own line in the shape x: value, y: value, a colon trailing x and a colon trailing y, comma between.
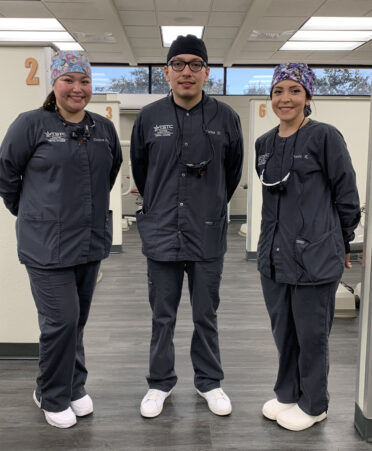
x: 228, y: 19
x: 216, y: 43
x: 341, y: 8
x: 289, y: 8
x: 143, y: 32
x: 72, y: 10
x: 182, y: 18
x: 98, y: 48
x: 279, y: 24
x: 30, y: 9
x: 134, y: 5
x: 220, y: 32
x: 145, y: 43
x: 138, y: 17
x: 86, y: 26
x: 259, y: 46
x: 231, y: 5
x: 183, y: 5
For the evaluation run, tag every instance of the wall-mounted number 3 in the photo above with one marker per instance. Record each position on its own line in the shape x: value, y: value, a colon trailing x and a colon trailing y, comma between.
x: 32, y: 64
x: 109, y: 112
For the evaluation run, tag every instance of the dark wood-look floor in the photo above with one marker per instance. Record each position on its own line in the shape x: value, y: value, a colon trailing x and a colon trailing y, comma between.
x: 117, y: 343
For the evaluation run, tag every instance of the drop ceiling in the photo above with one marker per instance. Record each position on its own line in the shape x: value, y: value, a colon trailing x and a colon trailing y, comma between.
x: 236, y: 31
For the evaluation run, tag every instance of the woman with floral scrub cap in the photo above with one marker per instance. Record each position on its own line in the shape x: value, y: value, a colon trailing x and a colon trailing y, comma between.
x: 57, y: 166
x: 309, y: 212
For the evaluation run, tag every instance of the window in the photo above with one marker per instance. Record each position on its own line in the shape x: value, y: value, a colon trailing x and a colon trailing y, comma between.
x: 239, y: 80
x: 130, y: 80
x: 248, y: 80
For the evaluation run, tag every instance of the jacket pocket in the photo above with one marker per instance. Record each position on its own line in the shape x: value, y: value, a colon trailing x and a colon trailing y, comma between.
x: 147, y: 224
x: 38, y: 241
x: 214, y: 237
x: 108, y: 232
x: 321, y: 261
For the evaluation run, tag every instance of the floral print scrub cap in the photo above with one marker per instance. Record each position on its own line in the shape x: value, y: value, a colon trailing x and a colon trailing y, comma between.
x: 64, y: 62
x: 299, y: 72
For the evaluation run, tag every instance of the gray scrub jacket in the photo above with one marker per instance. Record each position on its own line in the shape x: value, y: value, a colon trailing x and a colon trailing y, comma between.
x: 184, y: 211
x: 56, y: 176
x: 307, y: 227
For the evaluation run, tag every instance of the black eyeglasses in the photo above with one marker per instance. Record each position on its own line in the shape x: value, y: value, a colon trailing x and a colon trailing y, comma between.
x: 179, y: 65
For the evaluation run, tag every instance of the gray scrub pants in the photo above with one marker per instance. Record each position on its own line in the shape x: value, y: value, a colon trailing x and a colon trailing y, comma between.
x: 165, y: 281
x: 62, y: 297
x: 301, y: 320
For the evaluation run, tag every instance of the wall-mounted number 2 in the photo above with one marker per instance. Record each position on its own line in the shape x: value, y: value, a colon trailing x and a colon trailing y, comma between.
x: 32, y: 64
x: 109, y: 112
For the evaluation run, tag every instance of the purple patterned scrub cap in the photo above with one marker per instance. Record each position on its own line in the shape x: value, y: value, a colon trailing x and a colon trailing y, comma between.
x: 64, y: 62
x: 299, y: 72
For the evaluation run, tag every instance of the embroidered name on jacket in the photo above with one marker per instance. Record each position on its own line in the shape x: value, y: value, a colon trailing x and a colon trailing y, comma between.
x: 56, y: 137
x: 163, y: 130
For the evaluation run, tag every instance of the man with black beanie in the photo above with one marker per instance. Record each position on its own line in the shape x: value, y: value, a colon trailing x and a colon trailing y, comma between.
x: 186, y: 152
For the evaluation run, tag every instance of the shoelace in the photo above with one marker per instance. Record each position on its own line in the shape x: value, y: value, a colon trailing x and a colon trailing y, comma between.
x: 219, y: 394
x: 153, y: 394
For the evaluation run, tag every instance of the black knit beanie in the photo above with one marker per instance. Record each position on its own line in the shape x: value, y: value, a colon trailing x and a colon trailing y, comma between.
x: 188, y: 45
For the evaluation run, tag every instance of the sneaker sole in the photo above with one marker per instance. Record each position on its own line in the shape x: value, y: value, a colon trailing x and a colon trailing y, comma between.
x: 216, y: 412
x: 57, y: 425
x: 157, y: 413
x: 290, y: 427
x: 269, y: 416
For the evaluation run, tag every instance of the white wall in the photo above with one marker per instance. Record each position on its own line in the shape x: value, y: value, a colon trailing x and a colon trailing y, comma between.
x: 18, y: 319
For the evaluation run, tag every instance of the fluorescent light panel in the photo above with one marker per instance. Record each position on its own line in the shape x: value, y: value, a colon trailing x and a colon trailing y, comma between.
x: 169, y: 34
x: 320, y: 45
x: 35, y: 36
x: 30, y: 24
x: 332, y: 36
x: 338, y: 23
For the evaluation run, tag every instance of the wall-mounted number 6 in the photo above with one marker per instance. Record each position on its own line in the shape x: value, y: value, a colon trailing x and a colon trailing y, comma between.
x: 109, y: 112
x: 31, y: 79
x: 262, y: 110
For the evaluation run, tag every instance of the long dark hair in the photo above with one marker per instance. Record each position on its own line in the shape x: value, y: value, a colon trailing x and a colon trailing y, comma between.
x: 50, y: 103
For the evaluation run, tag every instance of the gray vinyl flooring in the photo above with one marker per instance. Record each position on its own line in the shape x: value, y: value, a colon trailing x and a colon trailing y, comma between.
x: 117, y: 343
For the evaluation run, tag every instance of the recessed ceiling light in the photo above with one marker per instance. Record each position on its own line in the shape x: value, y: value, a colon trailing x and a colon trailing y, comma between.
x: 320, y: 45
x: 35, y: 36
x: 169, y: 34
x: 30, y: 24
x: 338, y: 23
x: 332, y: 36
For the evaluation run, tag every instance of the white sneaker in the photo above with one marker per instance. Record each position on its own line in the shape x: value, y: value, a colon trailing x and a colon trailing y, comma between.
x: 63, y: 420
x: 82, y: 406
x: 152, y: 403
x: 271, y: 409
x: 295, y: 419
x: 218, y: 402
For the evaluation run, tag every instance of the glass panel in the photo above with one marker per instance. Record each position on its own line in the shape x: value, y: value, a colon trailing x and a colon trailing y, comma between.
x: 130, y: 80
x: 343, y: 82
x: 248, y: 81
x: 215, y: 83
x: 159, y: 84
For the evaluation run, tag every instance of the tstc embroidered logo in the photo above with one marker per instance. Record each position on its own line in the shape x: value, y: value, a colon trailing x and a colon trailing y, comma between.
x: 56, y: 137
x: 163, y: 130
x: 262, y: 159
